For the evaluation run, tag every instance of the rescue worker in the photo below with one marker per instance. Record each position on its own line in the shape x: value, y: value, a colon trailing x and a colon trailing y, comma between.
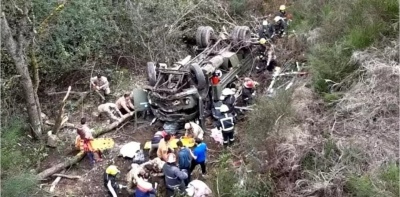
x: 144, y: 188
x: 85, y: 134
x: 197, y: 188
x: 280, y: 18
x: 248, y: 91
x: 110, y: 180
x: 184, y: 159
x: 174, y: 176
x: 267, y: 58
x: 266, y: 31
x: 101, y: 83
x: 216, y: 77
x: 155, y: 141
x: 124, y: 104
x: 193, y: 130
x: 216, y: 109
x: 163, y: 148
x: 109, y: 109
x: 228, y: 98
x: 226, y: 124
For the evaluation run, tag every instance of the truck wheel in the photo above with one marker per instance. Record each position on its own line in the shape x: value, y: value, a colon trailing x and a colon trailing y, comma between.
x: 244, y: 35
x: 235, y: 35
x: 200, y: 79
x: 206, y: 36
x: 199, y: 35
x: 151, y: 73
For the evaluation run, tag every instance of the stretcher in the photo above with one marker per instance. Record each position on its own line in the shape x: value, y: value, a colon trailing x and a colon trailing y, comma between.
x: 186, y: 141
x: 98, y: 144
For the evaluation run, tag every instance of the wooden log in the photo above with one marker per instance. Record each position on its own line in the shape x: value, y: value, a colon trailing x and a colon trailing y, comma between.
x: 67, y: 176
x: 59, y: 119
x: 73, y: 160
x: 54, y: 184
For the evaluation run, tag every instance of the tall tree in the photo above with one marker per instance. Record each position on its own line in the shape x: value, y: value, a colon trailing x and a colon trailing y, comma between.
x: 16, y: 42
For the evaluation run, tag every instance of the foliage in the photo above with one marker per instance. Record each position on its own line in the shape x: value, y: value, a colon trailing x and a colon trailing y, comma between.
x: 346, y: 26
x: 263, y: 119
x: 386, y: 183
x: 19, y: 185
x: 239, y: 182
x: 17, y: 158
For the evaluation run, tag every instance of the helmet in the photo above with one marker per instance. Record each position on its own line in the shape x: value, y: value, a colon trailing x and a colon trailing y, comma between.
x: 219, y: 73
x: 188, y: 126
x: 249, y: 84
x: 233, y: 90
x: 222, y: 97
x: 282, y: 7
x: 112, y: 170
x: 227, y: 91
x: 265, y: 23
x: 263, y: 41
x: 224, y: 108
x: 171, y: 158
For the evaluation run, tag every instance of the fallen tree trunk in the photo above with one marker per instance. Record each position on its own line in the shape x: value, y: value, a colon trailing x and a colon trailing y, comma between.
x: 67, y: 176
x: 54, y: 184
x: 70, y: 161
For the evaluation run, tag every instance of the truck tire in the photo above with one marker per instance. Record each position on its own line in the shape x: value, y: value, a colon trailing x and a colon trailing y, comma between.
x: 206, y: 35
x: 200, y: 79
x: 244, y: 35
x: 235, y: 35
x: 199, y: 35
x: 151, y: 73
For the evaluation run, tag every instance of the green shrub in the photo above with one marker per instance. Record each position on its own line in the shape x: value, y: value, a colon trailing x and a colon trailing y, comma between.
x: 360, y: 187
x: 390, y: 176
x: 262, y: 120
x: 19, y: 185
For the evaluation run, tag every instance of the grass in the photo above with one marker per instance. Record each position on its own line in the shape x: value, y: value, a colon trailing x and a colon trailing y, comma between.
x: 18, y: 157
x: 346, y: 26
x: 229, y: 181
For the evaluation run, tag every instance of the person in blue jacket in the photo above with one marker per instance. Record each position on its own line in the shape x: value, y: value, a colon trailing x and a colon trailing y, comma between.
x: 199, y: 156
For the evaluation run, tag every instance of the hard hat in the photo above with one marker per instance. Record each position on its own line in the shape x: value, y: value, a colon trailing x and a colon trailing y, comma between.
x: 263, y: 41
x: 222, y: 97
x: 224, y: 108
x: 219, y: 73
x: 282, y: 7
x: 227, y: 91
x: 112, y: 170
x: 265, y: 23
x: 249, y: 84
x: 171, y: 158
x: 188, y: 126
x: 247, y: 79
x: 233, y: 90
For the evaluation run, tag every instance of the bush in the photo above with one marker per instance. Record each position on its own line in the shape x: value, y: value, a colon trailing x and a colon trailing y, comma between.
x: 390, y: 177
x: 19, y: 185
x: 262, y: 120
x: 346, y: 26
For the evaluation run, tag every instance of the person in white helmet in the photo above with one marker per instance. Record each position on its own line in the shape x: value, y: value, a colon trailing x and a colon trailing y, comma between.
x: 228, y: 98
x: 193, y: 130
x: 266, y: 31
x: 197, y: 188
x: 174, y: 177
x: 226, y: 124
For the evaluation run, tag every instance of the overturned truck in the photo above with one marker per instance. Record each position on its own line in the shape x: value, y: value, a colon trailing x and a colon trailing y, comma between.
x: 183, y: 91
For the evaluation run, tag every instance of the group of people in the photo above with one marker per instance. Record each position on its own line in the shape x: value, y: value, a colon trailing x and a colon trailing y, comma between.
x: 278, y: 27
x: 266, y: 54
x: 176, y: 166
